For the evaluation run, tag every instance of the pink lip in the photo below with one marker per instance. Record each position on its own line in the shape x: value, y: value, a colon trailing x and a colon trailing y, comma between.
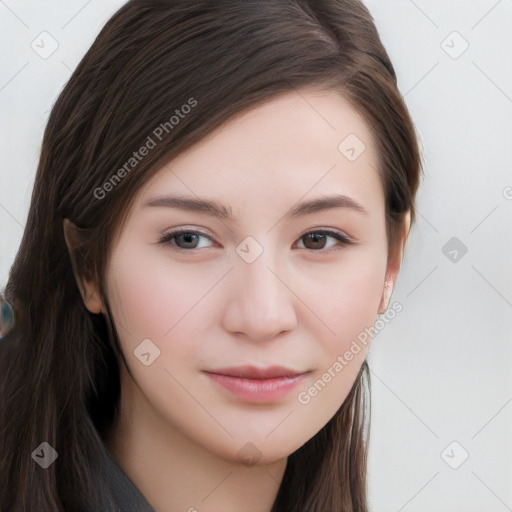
x: 257, y: 384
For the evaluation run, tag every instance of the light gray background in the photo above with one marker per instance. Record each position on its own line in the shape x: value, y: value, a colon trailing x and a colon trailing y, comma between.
x: 441, y: 370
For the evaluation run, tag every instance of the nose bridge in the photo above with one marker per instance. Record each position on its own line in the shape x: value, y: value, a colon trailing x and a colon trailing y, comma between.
x: 261, y: 304
x: 260, y: 283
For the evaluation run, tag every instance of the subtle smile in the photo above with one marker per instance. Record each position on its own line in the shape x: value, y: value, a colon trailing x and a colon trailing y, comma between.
x: 260, y: 385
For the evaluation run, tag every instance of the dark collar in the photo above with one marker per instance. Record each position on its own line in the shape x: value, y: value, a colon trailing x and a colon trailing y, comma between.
x: 123, y: 492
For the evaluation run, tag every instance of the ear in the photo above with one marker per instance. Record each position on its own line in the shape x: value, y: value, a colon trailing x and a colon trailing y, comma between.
x: 88, y: 289
x: 394, y: 262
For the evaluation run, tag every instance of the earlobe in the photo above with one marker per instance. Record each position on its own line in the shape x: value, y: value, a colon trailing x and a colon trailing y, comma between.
x: 88, y: 290
x: 394, y: 266
x: 91, y: 298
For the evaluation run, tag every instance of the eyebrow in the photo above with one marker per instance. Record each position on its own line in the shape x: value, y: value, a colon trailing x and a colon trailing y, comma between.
x: 221, y: 211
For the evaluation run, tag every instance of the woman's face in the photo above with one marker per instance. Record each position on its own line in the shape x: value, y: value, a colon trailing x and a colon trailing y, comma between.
x: 249, y: 284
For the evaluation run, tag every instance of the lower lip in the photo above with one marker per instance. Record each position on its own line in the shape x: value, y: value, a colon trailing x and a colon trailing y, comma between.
x: 257, y: 390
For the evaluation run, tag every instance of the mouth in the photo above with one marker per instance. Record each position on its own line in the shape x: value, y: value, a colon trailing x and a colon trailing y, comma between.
x: 258, y: 385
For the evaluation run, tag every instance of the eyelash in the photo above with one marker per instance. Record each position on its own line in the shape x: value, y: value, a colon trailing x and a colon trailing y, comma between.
x: 171, y: 235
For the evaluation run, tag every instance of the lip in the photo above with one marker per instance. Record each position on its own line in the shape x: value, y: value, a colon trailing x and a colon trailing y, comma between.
x: 253, y: 384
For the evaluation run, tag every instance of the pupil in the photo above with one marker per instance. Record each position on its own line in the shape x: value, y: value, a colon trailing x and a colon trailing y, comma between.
x: 187, y: 237
x: 316, y: 237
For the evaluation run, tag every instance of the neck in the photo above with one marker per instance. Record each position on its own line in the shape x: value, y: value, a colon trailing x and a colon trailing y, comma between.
x: 175, y: 473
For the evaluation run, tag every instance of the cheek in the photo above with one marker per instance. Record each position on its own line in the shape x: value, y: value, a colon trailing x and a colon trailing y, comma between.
x: 154, y: 299
x: 347, y: 302
x: 345, y: 296
x: 360, y: 294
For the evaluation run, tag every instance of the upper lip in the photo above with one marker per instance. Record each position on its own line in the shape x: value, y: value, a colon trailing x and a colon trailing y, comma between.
x: 253, y: 372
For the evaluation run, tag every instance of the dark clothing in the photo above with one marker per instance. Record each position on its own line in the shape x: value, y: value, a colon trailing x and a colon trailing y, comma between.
x: 123, y: 495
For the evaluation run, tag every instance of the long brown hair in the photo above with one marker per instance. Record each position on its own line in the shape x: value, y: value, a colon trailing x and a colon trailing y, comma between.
x: 59, y: 365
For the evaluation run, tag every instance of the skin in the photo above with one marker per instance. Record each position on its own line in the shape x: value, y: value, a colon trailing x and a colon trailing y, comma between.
x: 179, y: 436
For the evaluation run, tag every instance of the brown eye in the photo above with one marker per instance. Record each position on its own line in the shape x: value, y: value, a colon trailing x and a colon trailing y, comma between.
x: 317, y: 240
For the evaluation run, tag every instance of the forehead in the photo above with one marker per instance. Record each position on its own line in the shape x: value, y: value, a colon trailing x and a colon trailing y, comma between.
x: 301, y: 143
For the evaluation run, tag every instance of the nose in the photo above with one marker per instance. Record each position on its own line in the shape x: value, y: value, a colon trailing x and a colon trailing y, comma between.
x: 260, y: 305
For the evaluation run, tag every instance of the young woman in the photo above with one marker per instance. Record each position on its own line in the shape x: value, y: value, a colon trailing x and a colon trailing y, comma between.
x: 220, y: 210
